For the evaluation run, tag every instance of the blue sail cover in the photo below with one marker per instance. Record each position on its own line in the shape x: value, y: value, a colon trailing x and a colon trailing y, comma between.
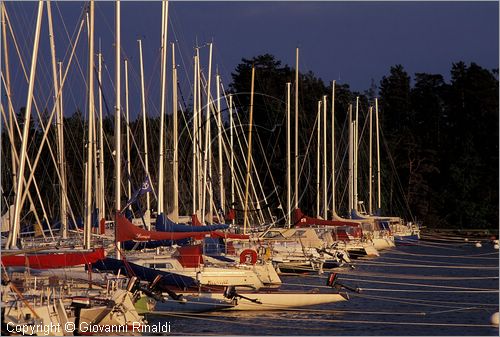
x: 383, y: 223
x: 164, y: 224
x: 144, y: 273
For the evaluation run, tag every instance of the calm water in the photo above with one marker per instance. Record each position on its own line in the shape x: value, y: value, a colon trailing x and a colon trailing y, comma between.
x: 456, y: 307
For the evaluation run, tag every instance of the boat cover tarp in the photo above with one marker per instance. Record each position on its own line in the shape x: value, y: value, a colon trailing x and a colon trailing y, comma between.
x: 164, y: 224
x: 53, y: 260
x: 144, y: 273
x: 214, y: 246
x: 302, y: 220
x: 127, y: 231
x: 190, y: 256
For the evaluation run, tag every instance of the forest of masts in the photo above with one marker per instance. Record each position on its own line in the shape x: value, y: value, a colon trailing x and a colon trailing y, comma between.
x: 273, y: 140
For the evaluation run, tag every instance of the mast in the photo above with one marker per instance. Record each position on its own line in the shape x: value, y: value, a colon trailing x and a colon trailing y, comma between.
x: 13, y: 234
x: 102, y: 196
x: 350, y: 160
x: 59, y: 129
x: 127, y: 116
x: 90, y: 106
x: 219, y: 141
x: 145, y: 137
x: 379, y: 195
x: 296, y: 185
x: 195, y: 136
x: 9, y: 100
x: 175, y: 212
x: 355, y: 148
x: 231, y: 144
x: 318, y: 161
x: 249, y: 153
x: 370, y: 174
x: 118, y: 145
x: 207, y: 155
x: 325, y: 186
x: 199, y: 129
x: 334, y: 209
x: 164, y: 27
x: 64, y: 205
x: 288, y: 155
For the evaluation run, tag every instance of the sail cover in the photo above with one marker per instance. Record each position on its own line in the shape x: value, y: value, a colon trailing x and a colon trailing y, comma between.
x: 126, y: 231
x: 164, y: 224
x: 302, y: 220
x: 53, y: 260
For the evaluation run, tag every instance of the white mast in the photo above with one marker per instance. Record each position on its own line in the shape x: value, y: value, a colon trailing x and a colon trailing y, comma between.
x: 318, y: 161
x: 175, y: 212
x: 195, y: 136
x: 249, y: 153
x: 207, y: 159
x: 355, y: 148
x: 325, y: 186
x: 219, y: 141
x: 102, y: 196
x: 13, y: 234
x: 145, y: 137
x: 231, y: 143
x: 334, y: 208
x: 379, y: 195
x: 370, y: 174
x: 118, y: 149
x: 288, y: 155
x: 296, y: 185
x: 164, y: 27
x: 127, y: 116
x: 59, y: 129
x: 351, y: 190
x: 64, y: 183
x: 200, y: 134
x: 9, y: 96
x: 90, y: 106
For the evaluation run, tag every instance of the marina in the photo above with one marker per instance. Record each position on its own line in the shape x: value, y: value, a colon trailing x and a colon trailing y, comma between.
x: 147, y: 190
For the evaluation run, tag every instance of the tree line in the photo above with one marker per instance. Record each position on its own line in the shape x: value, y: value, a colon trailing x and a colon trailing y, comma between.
x: 439, y: 144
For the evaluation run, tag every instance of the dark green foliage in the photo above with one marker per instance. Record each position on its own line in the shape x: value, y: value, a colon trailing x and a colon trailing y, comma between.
x: 439, y: 145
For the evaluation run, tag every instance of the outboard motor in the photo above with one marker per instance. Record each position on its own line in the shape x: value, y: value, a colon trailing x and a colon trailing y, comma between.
x: 334, y: 283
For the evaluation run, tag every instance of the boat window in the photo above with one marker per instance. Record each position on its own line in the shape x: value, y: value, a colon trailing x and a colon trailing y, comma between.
x: 274, y: 235
x: 161, y: 265
x: 299, y: 233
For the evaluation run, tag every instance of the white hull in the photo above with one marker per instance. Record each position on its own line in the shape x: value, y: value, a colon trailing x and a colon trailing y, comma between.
x: 280, y: 300
x: 383, y: 243
x: 370, y: 250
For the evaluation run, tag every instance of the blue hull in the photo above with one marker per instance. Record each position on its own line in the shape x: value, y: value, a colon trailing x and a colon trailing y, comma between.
x: 404, y: 240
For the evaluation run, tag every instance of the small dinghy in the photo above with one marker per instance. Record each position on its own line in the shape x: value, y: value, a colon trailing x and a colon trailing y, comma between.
x: 190, y: 304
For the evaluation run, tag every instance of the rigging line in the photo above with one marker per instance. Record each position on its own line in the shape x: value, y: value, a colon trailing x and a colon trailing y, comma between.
x: 260, y: 214
x: 329, y: 320
x: 307, y: 150
x: 430, y: 303
x: 393, y: 166
x: 391, y: 264
x: 226, y: 321
x: 423, y: 261
x: 475, y: 256
x: 268, y: 167
x: 37, y: 110
x: 448, y: 238
x: 431, y: 291
x: 420, y: 277
x: 415, y: 284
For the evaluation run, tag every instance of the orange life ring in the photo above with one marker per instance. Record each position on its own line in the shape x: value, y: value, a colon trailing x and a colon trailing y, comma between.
x: 248, y: 256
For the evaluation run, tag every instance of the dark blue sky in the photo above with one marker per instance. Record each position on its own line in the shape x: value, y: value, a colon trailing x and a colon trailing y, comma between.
x: 352, y: 42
